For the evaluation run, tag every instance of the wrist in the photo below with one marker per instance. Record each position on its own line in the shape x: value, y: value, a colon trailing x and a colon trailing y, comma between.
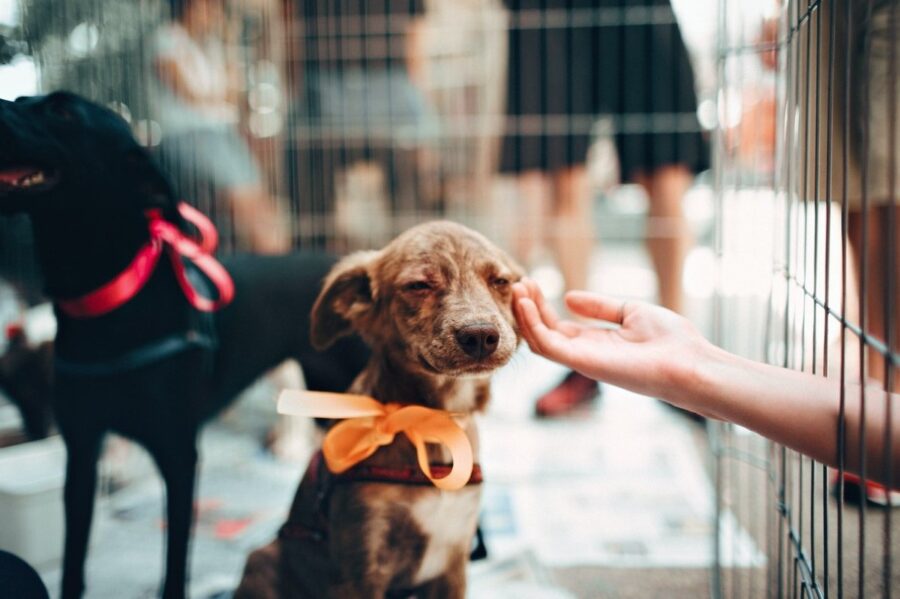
x: 697, y: 378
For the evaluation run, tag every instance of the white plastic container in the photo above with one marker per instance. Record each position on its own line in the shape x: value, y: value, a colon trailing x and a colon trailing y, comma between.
x: 31, y: 500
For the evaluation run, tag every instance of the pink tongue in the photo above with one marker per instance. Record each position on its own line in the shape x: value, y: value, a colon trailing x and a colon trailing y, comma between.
x: 12, y: 175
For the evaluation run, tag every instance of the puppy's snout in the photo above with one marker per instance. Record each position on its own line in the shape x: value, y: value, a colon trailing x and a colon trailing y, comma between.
x: 478, y: 340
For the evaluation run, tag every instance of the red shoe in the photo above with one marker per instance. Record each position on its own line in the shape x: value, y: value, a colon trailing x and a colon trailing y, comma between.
x: 574, y: 391
x: 874, y: 493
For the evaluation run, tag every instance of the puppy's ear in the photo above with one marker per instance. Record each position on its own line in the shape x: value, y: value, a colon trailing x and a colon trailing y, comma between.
x: 346, y: 300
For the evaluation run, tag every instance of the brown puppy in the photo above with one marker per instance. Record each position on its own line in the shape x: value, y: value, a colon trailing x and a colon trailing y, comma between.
x: 435, y: 306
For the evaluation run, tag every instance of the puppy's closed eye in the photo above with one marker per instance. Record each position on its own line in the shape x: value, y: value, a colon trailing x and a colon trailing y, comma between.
x: 418, y: 287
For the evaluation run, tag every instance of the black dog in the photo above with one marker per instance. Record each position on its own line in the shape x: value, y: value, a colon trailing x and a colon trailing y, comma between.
x: 154, y: 368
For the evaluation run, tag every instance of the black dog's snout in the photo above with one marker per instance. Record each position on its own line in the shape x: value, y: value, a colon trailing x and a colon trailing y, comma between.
x: 478, y: 340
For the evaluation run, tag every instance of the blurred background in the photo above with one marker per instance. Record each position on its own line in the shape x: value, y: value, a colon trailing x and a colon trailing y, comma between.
x: 686, y: 152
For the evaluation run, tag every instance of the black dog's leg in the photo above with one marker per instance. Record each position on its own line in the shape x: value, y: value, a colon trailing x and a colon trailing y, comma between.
x: 83, y: 448
x: 176, y: 458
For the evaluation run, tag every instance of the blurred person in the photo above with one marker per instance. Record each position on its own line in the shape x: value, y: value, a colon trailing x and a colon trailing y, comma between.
x: 861, y: 125
x: 562, y: 74
x: 875, y: 184
x: 359, y: 72
x: 195, y: 105
x: 654, y: 351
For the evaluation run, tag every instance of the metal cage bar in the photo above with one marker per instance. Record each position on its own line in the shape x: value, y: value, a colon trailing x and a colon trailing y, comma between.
x: 827, y: 536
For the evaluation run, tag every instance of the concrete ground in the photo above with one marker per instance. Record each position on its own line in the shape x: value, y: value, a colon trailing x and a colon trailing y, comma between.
x: 610, y: 502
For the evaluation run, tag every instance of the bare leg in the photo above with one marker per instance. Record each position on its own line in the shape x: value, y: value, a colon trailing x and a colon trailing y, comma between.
x: 876, y: 254
x: 528, y: 238
x: 573, y: 240
x: 258, y: 220
x: 572, y: 232
x: 668, y: 235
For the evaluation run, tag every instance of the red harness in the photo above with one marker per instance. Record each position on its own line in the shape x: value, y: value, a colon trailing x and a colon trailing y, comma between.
x: 163, y: 236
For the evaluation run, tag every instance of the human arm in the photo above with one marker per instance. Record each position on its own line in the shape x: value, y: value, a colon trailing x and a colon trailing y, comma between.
x: 199, y: 74
x: 659, y: 353
x: 175, y: 75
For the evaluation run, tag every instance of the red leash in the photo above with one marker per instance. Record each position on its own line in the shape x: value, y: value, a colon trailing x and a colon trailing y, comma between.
x: 163, y: 236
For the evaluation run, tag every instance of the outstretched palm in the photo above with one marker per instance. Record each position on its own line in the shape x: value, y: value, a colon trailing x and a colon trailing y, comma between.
x: 634, y: 345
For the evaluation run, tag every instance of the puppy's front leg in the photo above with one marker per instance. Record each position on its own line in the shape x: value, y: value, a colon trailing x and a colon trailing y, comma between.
x: 261, y: 574
x: 450, y: 585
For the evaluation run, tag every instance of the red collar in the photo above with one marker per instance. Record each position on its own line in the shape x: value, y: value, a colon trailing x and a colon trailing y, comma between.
x: 404, y: 476
x: 163, y: 235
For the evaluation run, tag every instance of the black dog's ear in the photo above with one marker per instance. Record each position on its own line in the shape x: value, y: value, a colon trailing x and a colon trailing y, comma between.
x: 153, y: 187
x: 346, y: 301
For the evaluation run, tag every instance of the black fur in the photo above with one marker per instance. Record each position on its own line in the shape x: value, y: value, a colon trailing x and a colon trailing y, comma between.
x: 89, y: 222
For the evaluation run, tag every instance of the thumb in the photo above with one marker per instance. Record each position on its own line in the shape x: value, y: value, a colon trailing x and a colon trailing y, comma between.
x: 592, y: 305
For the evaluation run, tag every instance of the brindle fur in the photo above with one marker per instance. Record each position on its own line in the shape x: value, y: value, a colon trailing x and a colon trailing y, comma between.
x: 410, y: 302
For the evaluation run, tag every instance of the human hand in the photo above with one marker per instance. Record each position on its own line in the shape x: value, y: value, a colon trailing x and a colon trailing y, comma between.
x: 642, y: 347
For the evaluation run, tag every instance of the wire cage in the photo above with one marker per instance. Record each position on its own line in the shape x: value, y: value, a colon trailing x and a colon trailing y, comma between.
x: 345, y: 149
x: 811, y: 139
x: 334, y: 125
x: 354, y: 120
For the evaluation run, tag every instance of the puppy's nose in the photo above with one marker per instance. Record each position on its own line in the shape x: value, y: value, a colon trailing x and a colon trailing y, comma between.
x: 478, y: 340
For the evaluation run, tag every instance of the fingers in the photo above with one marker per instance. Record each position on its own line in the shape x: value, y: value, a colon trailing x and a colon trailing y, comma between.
x: 530, y: 289
x: 596, y: 306
x: 569, y: 328
x: 525, y: 328
x: 541, y: 339
x: 520, y: 296
x: 583, y: 303
x: 519, y: 291
x: 548, y: 314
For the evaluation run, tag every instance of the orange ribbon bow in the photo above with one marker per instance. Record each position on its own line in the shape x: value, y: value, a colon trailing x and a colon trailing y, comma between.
x: 368, y: 424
